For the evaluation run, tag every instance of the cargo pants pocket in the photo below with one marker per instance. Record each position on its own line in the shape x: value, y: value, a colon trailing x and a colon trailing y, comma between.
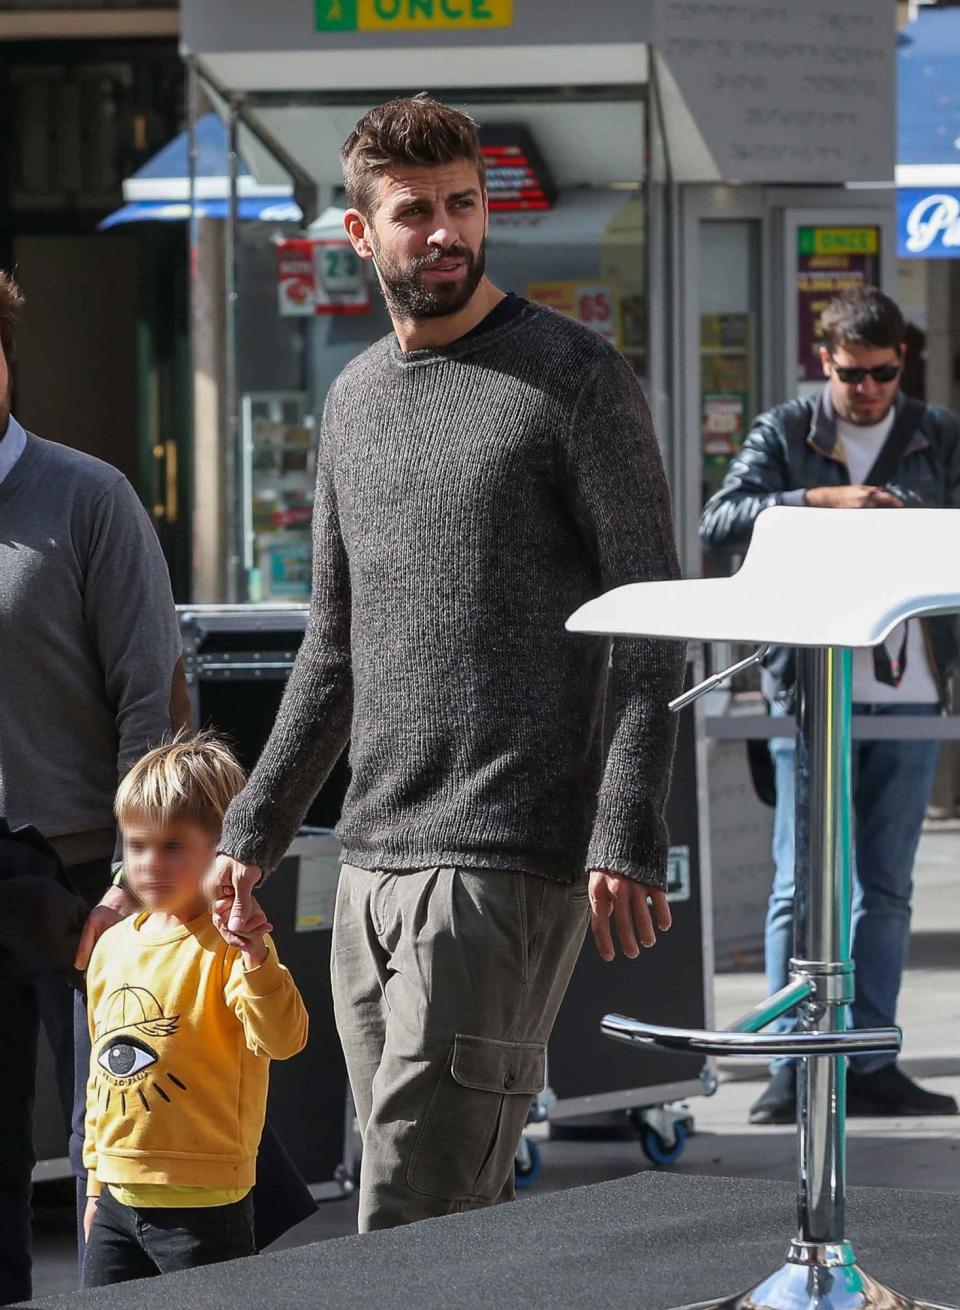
x: 466, y: 1141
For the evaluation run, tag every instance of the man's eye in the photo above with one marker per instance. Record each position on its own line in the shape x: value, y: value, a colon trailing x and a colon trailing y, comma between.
x: 123, y: 1057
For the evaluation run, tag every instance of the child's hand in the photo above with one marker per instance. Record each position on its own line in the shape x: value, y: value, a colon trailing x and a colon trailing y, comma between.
x: 89, y: 1214
x: 250, y: 942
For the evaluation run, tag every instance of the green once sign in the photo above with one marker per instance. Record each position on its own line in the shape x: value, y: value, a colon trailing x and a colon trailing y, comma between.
x: 411, y: 15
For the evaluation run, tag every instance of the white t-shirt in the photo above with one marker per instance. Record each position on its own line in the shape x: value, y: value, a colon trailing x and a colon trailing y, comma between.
x: 860, y: 447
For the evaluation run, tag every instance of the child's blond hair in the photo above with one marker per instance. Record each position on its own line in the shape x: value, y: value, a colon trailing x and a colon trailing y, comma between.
x: 194, y: 777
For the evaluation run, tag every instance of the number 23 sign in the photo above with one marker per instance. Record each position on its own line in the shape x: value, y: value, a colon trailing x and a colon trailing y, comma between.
x: 320, y: 277
x: 339, y: 279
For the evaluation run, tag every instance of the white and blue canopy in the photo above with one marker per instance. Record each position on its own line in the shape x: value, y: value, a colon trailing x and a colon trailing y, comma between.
x: 160, y: 190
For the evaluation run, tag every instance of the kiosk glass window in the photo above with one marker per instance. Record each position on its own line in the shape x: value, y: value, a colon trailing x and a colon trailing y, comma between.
x: 729, y: 343
x: 567, y: 229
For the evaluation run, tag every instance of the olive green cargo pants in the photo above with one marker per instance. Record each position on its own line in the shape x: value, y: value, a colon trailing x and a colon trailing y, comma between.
x: 446, y: 985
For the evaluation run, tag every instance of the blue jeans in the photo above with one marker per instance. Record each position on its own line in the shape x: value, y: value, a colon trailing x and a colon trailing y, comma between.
x: 891, y: 788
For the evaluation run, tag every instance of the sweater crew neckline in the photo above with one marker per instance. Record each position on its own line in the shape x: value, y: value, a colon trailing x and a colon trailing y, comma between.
x: 470, y: 343
x: 191, y: 929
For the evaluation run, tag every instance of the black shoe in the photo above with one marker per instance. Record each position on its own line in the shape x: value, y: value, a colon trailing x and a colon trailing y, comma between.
x: 888, y: 1091
x: 778, y: 1104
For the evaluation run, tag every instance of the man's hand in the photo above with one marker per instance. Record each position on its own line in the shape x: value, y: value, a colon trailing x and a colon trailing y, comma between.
x: 613, y: 896
x: 857, y: 497
x: 229, y: 889
x: 116, y: 904
x: 89, y: 1214
x: 249, y: 942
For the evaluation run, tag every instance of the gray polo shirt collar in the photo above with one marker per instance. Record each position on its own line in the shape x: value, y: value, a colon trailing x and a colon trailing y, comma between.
x: 12, y: 447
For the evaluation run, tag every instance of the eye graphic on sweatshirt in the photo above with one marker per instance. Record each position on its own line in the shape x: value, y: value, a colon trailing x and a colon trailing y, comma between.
x: 130, y: 1073
x: 125, y: 1055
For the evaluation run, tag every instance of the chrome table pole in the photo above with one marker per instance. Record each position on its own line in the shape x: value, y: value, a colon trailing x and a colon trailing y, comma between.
x: 820, y: 1272
x: 822, y: 933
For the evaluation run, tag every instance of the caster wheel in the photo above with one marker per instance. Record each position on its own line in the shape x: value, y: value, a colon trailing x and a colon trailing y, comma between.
x: 349, y: 1180
x: 656, y: 1149
x: 526, y: 1166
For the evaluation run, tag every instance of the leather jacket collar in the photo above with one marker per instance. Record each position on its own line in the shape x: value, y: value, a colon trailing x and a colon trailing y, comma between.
x: 823, y: 424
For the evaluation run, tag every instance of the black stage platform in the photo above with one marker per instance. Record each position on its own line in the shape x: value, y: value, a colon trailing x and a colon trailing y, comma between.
x: 644, y: 1243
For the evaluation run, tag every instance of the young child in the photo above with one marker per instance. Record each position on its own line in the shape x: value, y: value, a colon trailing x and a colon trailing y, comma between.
x: 184, y: 1021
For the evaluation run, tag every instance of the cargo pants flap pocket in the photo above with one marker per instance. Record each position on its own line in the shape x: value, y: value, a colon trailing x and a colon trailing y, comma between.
x: 488, y: 1065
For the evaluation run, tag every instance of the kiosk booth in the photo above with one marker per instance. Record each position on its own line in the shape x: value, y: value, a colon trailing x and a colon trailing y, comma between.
x: 674, y: 175
x: 691, y: 178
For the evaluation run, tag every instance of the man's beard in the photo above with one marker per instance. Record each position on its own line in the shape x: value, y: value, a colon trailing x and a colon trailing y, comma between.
x: 408, y: 296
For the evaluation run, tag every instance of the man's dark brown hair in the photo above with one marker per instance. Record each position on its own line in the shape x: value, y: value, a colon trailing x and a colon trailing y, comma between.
x: 410, y: 132
x: 11, y: 298
x: 862, y: 316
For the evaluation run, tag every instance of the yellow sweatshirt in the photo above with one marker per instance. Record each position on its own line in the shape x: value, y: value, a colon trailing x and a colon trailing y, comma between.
x: 182, y: 1038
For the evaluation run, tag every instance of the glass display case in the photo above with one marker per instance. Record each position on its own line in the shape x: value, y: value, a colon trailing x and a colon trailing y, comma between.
x: 279, y: 468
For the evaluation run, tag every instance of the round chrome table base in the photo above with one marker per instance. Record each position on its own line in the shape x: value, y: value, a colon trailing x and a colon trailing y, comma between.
x: 818, y: 1278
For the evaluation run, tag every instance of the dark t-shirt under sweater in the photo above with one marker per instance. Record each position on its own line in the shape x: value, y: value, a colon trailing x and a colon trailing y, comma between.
x: 468, y: 500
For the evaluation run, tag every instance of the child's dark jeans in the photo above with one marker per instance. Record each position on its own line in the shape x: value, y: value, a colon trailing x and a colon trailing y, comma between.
x: 126, y: 1243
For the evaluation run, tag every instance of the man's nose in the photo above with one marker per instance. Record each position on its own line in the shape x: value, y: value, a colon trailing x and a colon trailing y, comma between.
x: 444, y: 234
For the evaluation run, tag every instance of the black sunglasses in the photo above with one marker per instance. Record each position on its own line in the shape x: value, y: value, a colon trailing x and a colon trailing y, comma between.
x: 854, y: 376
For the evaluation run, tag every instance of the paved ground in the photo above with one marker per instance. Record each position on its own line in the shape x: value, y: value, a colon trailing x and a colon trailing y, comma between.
x: 918, y: 1153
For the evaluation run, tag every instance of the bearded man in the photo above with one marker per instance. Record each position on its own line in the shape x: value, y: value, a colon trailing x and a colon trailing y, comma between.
x: 483, y: 470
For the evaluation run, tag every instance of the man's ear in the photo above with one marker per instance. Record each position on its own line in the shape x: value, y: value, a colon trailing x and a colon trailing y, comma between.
x: 357, y: 228
x: 825, y: 361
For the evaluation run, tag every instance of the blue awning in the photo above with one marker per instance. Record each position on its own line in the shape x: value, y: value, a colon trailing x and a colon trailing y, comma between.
x: 928, y: 136
x: 928, y: 100
x: 264, y: 209
x: 159, y: 191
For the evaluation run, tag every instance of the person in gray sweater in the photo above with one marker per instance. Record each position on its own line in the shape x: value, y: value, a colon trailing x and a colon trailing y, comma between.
x: 92, y: 677
x: 482, y: 472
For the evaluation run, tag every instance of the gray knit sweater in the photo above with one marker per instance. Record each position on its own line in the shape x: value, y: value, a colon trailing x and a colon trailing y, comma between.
x: 468, y: 500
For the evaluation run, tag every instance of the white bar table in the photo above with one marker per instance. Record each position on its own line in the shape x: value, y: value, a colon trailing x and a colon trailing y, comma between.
x: 826, y: 582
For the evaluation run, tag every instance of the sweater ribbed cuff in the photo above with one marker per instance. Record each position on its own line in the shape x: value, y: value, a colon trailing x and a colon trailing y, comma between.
x: 643, y: 864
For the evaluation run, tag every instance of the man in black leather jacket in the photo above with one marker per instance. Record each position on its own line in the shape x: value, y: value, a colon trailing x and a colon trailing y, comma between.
x: 859, y: 444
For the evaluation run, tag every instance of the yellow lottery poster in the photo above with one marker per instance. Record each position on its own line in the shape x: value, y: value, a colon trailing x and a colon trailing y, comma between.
x: 596, y: 304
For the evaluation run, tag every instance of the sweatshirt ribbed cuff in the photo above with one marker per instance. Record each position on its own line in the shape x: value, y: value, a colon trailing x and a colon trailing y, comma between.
x: 266, y: 978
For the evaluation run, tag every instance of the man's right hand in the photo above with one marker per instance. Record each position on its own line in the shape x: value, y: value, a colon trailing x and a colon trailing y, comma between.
x: 229, y: 888
x: 857, y: 497
x: 116, y: 905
